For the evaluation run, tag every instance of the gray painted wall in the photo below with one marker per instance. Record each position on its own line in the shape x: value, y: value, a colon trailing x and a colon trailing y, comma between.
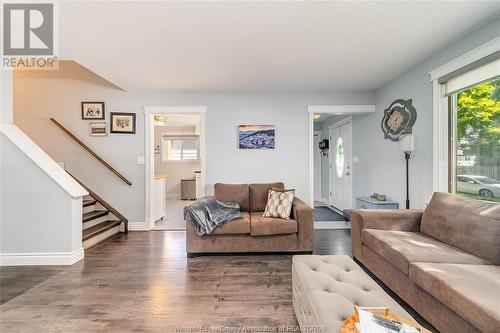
x: 381, y: 164
x: 40, y: 95
x: 25, y: 185
x: 6, y: 98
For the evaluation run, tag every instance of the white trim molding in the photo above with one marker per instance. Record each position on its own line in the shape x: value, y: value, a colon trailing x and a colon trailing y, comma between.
x: 175, y: 109
x: 32, y: 259
x: 342, y: 109
x: 439, y: 139
x: 440, y: 110
x: 466, y: 59
x: 149, y: 111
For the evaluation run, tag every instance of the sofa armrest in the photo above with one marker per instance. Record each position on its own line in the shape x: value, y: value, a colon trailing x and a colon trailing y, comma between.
x: 304, y: 215
x: 382, y: 219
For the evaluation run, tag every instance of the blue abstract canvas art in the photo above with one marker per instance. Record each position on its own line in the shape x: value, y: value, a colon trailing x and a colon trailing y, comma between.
x: 256, y: 137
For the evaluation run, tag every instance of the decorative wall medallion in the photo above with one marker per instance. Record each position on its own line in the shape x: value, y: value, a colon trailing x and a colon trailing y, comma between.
x: 398, y: 119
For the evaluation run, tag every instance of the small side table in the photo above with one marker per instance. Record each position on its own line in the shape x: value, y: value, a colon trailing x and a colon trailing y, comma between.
x: 372, y: 203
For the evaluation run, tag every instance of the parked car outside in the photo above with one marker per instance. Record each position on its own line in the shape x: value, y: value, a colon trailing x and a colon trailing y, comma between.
x: 480, y: 185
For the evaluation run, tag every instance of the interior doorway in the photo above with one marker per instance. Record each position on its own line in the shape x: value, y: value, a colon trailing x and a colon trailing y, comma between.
x: 175, y: 164
x: 330, y: 159
x: 325, y: 163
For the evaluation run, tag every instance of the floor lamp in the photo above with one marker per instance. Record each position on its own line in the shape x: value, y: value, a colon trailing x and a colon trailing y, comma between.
x: 407, y: 146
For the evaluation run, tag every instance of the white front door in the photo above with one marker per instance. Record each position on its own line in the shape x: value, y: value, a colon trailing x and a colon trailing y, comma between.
x: 341, y: 165
x: 317, y: 166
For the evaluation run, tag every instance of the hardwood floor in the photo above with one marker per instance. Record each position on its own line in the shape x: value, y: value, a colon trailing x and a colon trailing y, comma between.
x: 143, y: 282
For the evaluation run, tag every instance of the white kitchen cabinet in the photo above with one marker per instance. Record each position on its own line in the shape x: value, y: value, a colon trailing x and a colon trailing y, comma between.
x: 159, y: 197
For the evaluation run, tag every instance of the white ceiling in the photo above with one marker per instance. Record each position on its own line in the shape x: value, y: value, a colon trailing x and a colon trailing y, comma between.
x: 239, y: 46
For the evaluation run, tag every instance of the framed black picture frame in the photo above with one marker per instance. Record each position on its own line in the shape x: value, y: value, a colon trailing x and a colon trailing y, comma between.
x: 122, y: 122
x: 93, y: 110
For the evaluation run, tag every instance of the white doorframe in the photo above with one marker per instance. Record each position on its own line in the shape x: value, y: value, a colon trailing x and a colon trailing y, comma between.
x: 329, y: 109
x: 319, y: 166
x: 149, y: 112
x: 338, y: 124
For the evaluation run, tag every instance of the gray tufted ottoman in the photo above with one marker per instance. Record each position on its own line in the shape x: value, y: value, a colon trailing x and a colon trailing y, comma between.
x: 326, y: 288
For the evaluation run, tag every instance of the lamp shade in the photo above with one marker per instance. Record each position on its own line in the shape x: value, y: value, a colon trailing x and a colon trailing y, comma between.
x: 407, y: 143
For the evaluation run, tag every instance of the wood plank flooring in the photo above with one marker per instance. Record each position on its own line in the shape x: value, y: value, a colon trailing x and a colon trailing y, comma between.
x: 143, y: 282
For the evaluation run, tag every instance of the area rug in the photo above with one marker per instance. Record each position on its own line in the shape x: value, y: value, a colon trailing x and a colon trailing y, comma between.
x: 322, y: 213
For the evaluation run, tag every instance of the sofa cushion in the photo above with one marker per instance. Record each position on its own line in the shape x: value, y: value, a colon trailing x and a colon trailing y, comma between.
x: 471, y: 291
x: 471, y: 225
x: 265, y: 226
x: 233, y: 192
x: 403, y: 247
x: 258, y: 195
x: 236, y: 227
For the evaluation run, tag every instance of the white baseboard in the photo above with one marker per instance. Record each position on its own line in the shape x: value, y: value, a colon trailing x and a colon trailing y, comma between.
x: 141, y: 225
x: 332, y: 225
x: 35, y: 259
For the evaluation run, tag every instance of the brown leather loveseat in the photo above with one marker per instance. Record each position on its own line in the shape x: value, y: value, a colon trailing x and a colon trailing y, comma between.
x: 443, y: 261
x: 253, y: 232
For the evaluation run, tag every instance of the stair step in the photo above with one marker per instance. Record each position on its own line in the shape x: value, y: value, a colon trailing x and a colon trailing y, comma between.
x: 93, y: 215
x: 91, y: 208
x: 89, y: 202
x: 99, y: 228
x: 91, y: 223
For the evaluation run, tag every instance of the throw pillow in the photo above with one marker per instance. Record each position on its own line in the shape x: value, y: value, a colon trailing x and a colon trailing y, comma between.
x: 279, y: 203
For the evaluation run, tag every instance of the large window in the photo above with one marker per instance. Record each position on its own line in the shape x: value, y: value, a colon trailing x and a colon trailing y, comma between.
x: 475, y: 141
x: 180, y: 148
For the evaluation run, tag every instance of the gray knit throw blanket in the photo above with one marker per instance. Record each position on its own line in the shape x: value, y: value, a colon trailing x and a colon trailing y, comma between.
x: 207, y: 214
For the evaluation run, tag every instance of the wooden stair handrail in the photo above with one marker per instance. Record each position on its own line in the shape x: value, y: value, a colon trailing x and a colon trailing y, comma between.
x: 91, y: 152
x: 102, y: 202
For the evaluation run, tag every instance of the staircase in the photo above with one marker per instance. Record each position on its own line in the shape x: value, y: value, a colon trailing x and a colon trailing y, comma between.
x: 98, y: 223
x: 100, y: 220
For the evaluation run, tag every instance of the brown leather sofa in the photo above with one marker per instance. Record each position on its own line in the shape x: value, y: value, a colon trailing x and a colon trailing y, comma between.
x: 443, y: 261
x: 253, y: 232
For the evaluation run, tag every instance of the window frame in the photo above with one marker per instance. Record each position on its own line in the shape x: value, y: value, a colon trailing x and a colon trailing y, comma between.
x: 168, y: 136
x: 441, y: 121
x: 452, y: 144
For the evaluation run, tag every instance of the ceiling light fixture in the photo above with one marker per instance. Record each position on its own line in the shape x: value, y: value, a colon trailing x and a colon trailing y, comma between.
x: 160, y: 120
x: 316, y: 116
